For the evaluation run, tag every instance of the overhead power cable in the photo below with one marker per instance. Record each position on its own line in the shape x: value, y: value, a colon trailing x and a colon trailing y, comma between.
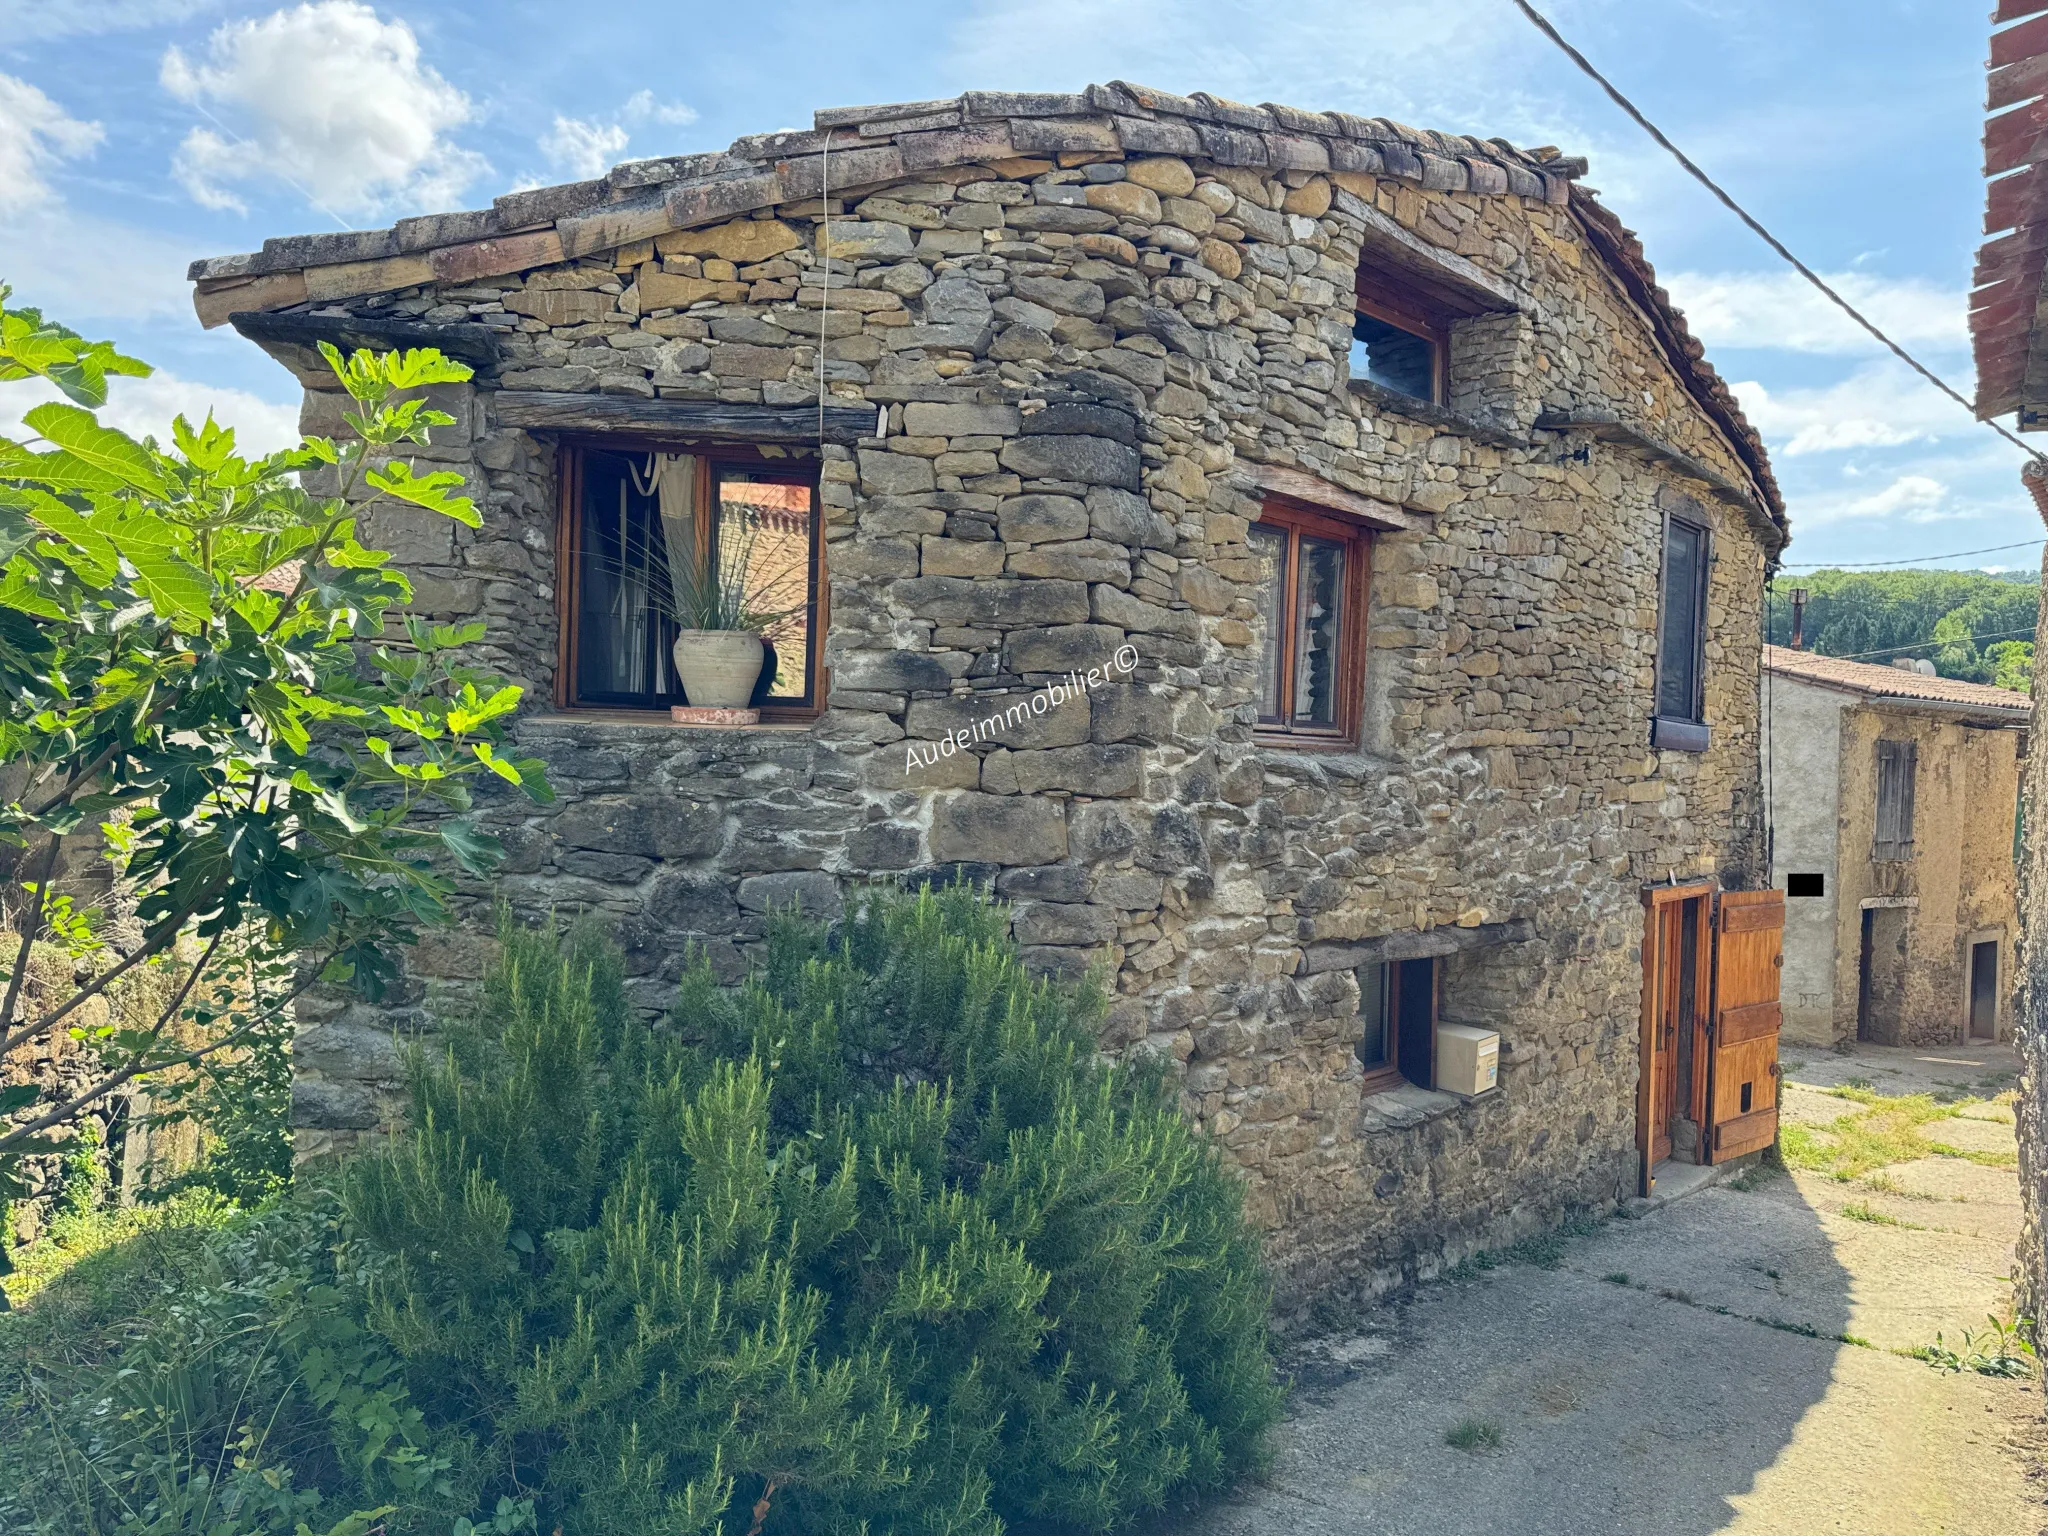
x: 1543, y: 25
x: 1868, y: 565
x: 1921, y: 645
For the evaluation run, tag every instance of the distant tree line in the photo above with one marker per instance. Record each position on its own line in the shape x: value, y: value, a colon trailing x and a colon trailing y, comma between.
x: 1973, y: 625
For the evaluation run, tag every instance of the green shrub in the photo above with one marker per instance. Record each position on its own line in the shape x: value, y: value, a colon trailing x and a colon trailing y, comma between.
x: 874, y: 1243
x: 201, y: 1371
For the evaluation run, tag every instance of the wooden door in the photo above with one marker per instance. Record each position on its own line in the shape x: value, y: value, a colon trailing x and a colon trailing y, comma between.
x: 1674, y: 993
x: 1664, y: 1029
x: 1742, y: 1093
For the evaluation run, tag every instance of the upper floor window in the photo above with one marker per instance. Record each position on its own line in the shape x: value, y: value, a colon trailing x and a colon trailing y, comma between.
x: 1311, y: 586
x: 632, y: 516
x: 1897, y: 762
x: 1400, y: 339
x: 1681, y: 637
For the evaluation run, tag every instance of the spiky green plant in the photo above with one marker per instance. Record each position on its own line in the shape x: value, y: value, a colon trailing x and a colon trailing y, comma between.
x: 875, y: 1242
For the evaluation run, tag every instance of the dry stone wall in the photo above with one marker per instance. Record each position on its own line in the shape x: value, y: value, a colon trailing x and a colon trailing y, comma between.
x: 1085, y: 365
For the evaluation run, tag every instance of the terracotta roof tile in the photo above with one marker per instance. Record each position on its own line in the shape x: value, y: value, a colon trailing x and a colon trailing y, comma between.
x: 1891, y: 682
x: 2010, y: 351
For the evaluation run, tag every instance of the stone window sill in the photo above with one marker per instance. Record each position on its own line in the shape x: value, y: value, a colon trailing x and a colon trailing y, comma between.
x: 1668, y: 735
x: 1433, y: 415
x: 1406, y: 1106
x: 648, y: 719
x: 1285, y: 742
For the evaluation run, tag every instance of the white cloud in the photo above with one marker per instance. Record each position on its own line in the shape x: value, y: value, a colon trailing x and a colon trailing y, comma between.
x: 145, y: 408
x: 23, y: 21
x: 641, y: 107
x: 35, y: 134
x: 332, y: 101
x: 587, y: 147
x: 583, y: 148
x: 1784, y: 312
x: 1879, y: 406
x: 1916, y: 496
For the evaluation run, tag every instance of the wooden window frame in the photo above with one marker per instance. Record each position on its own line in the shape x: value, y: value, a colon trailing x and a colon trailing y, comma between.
x: 569, y: 458
x: 1688, y: 732
x: 1388, y: 298
x: 1388, y: 1074
x: 1295, y: 519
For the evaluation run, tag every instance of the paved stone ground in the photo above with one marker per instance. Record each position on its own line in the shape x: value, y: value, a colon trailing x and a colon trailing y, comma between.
x: 1686, y: 1372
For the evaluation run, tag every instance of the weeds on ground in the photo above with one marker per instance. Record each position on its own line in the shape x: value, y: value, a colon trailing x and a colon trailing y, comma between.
x: 1888, y: 1131
x: 86, y: 1224
x: 1856, y: 1210
x: 1981, y: 1159
x: 1474, y: 1435
x: 1545, y: 1250
x: 1997, y: 1349
x: 1619, y: 1277
x: 1804, y: 1330
x: 1885, y: 1184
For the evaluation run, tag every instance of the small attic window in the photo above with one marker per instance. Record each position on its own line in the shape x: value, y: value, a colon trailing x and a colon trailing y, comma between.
x: 1400, y: 339
x: 1396, y: 358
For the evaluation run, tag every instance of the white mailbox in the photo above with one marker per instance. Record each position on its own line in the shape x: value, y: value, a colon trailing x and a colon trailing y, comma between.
x: 1467, y: 1059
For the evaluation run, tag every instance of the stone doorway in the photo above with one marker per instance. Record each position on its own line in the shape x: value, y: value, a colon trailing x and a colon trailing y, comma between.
x: 1881, y: 977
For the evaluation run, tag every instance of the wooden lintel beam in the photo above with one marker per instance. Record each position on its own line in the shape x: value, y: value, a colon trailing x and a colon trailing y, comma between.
x: 551, y: 411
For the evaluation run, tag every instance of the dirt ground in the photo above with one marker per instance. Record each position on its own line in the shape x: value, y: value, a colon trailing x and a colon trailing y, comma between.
x: 1729, y: 1362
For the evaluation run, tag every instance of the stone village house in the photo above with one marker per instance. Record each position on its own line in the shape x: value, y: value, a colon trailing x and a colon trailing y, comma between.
x: 1895, y: 800
x: 1415, y: 552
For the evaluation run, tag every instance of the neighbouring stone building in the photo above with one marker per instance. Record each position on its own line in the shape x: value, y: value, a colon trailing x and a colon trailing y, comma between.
x: 1385, y: 558
x: 1894, y: 813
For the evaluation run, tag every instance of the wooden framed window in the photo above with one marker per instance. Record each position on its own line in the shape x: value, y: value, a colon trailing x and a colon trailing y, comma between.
x: 1312, y: 584
x: 1398, y: 1002
x: 1680, y: 720
x: 1401, y: 339
x: 624, y: 508
x: 1897, y: 765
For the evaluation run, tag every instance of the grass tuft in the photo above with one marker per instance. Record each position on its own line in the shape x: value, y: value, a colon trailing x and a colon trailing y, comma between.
x: 1887, y: 1131
x: 1856, y: 1210
x: 1474, y: 1435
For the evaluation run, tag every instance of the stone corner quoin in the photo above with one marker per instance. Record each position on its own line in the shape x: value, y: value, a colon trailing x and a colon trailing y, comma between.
x: 1093, y: 336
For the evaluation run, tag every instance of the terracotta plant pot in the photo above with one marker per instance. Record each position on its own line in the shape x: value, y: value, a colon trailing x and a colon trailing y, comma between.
x: 718, y: 667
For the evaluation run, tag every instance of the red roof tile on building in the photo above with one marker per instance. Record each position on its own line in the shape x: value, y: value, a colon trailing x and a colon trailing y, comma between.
x: 2011, y: 349
x: 1893, y: 682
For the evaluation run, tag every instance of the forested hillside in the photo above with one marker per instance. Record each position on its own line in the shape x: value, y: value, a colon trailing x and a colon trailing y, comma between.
x: 1971, y: 624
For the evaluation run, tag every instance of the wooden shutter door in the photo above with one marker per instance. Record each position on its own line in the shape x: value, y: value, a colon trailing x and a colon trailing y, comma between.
x: 1742, y: 1092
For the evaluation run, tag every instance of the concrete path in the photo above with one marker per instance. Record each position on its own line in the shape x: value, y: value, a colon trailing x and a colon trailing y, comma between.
x: 1690, y: 1371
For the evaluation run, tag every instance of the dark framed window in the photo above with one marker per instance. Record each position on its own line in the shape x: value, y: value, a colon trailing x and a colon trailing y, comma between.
x: 1397, y: 1004
x: 1400, y: 339
x: 1897, y: 765
x: 1681, y: 637
x: 1313, y: 578
x: 626, y: 509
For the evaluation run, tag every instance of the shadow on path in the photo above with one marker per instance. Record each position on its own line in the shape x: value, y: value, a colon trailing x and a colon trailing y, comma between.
x: 1674, y: 1376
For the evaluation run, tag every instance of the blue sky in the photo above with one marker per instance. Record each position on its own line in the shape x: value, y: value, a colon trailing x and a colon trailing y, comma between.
x: 138, y: 134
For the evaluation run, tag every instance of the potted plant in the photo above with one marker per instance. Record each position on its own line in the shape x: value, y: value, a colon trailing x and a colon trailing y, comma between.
x: 718, y: 647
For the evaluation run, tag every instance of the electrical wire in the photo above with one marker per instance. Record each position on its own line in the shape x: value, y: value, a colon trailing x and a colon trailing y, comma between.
x: 1920, y: 645
x: 1867, y: 565
x: 1543, y: 25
